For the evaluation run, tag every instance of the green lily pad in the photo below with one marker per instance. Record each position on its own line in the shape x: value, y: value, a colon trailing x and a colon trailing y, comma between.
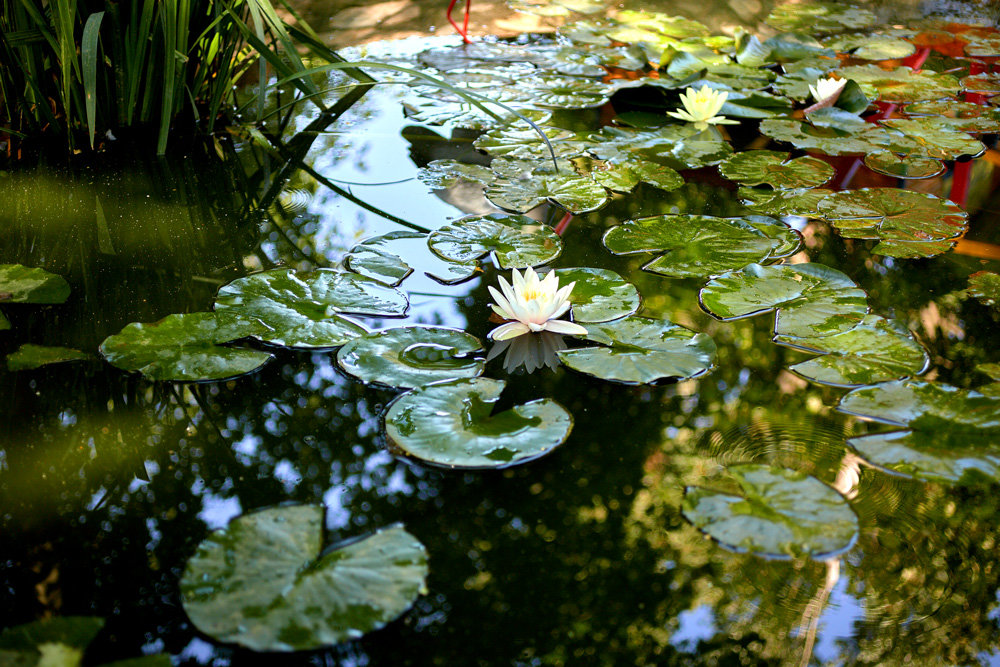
x: 186, y: 348
x: 599, y: 295
x: 934, y: 456
x: 517, y: 241
x: 449, y: 424
x: 676, y: 146
x: 697, y: 246
x: 903, y: 166
x: 811, y: 300
x: 776, y: 169
x: 987, y: 83
x: 874, y: 351
x: 800, y: 50
x: 23, y: 284
x: 640, y: 350
x: 781, y: 512
x: 575, y: 193
x: 624, y: 176
x: 820, y: 17
x: 873, y: 47
x: 755, y: 104
x: 516, y: 142
x: 796, y: 84
x: 566, y: 92
x: 924, y: 406
x: 901, y: 85
x: 982, y: 46
x: 928, y: 136
x: 908, y: 224
x: 4, y: 322
x: 985, y: 287
x: 828, y: 140
x: 264, y: 582
x: 381, y: 258
x: 28, y: 356
x: 801, y: 202
x: 71, y: 632
x: 677, y: 27
x: 962, y: 116
x: 408, y: 357
x: 305, y: 310
x: 441, y: 174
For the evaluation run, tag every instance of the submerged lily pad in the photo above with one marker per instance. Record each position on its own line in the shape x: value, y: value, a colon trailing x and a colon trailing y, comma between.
x: 306, y: 310
x: 23, y: 284
x: 410, y: 357
x: 903, y: 166
x: 517, y: 241
x: 186, y: 348
x: 640, y: 350
x: 599, y: 295
x: 776, y: 169
x: 449, y: 424
x: 820, y: 17
x: 28, y: 356
x: 781, y: 512
x: 699, y: 245
x: 811, y: 300
x: 908, y: 224
x: 924, y: 406
x: 264, y: 582
x: 573, y: 192
x: 934, y: 456
x: 985, y: 287
x: 874, y: 351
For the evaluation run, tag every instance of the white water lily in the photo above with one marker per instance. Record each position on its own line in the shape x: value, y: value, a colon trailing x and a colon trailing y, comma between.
x: 532, y: 305
x: 701, y: 107
x: 827, y: 88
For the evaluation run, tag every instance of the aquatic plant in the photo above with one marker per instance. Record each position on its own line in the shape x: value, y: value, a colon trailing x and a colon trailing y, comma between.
x: 532, y: 305
x: 702, y: 106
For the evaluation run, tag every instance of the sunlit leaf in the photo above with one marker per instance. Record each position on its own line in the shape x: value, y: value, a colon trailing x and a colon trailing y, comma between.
x: 599, y: 295
x: 776, y: 169
x: 28, y: 356
x: 985, y: 286
x: 525, y: 143
x: 450, y: 424
x: 23, y: 284
x: 929, y: 136
x: 676, y: 146
x: 903, y: 166
x: 962, y: 116
x: 924, y: 406
x: 828, y: 140
x: 556, y: 7
x: 820, y: 17
x: 982, y: 46
x: 574, y: 192
x: 671, y: 26
x: 873, y: 47
x: 800, y: 202
x: 516, y: 241
x: 565, y: 92
x: 265, y: 583
x: 934, y: 456
x: 441, y: 174
x: 902, y: 84
x: 624, y: 176
x: 408, y: 357
x: 779, y: 512
x: 987, y: 83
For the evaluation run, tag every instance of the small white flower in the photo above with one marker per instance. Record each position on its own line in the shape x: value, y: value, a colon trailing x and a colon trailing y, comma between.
x: 701, y: 107
x: 827, y: 88
x: 533, y: 305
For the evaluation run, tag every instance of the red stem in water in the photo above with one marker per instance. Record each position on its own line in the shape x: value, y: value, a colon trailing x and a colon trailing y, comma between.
x: 464, y: 30
x: 564, y: 223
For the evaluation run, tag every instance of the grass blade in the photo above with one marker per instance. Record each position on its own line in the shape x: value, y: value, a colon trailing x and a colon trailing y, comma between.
x: 88, y: 50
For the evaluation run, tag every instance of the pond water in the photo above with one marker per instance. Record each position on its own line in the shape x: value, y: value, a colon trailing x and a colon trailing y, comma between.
x: 109, y: 481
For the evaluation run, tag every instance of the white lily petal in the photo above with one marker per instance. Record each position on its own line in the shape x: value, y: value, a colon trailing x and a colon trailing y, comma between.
x: 565, y: 327
x: 508, y: 331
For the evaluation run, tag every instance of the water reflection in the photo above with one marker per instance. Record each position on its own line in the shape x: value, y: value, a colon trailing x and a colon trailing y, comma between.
x: 532, y: 351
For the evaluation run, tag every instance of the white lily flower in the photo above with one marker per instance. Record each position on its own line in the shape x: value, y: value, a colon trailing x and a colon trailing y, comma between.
x: 533, y: 305
x: 701, y: 107
x: 827, y: 88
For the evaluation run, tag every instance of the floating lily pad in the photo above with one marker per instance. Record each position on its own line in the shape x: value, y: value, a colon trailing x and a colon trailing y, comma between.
x: 187, y: 348
x: 599, y: 295
x: 264, y: 582
x: 908, y: 224
x: 874, y: 351
x: 624, y: 176
x: 449, y: 424
x: 828, y: 140
x: 928, y: 136
x: 381, y: 258
x: 903, y: 166
x: 517, y: 241
x: 987, y: 83
x: 811, y: 300
x: 566, y: 92
x: 23, y: 284
x: 676, y: 146
x: 4, y: 322
x: 801, y: 202
x: 678, y: 27
x: 575, y: 193
x: 873, y: 47
x: 924, y: 406
x: 781, y: 512
x: 982, y: 46
x: 640, y: 350
x: 776, y: 169
x: 441, y: 174
x: 28, y: 356
x: 820, y: 17
x: 305, y: 310
x: 901, y: 85
x: 526, y: 144
x: 934, y: 456
x: 962, y: 116
x: 985, y: 287
x: 697, y: 245
x: 755, y: 104
x: 408, y: 357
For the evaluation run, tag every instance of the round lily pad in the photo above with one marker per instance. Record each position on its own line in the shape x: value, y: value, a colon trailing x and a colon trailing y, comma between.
x: 24, y: 284
x: 640, y: 350
x: 515, y: 142
x: 903, y: 166
x: 623, y: 177
x: 776, y: 169
x: 410, y: 357
x: 573, y: 192
x: 264, y: 582
x: 517, y: 241
x: 781, y: 513
x: 28, y: 356
x: 873, y: 46
x: 926, y: 406
x: 306, y: 310
x: 874, y: 351
x: 676, y: 146
x: 186, y: 348
x: 934, y: 456
x: 449, y: 424
x: 699, y: 245
x: 927, y: 136
x: 801, y: 202
x: 908, y: 224
x: 985, y: 287
x: 599, y: 295
x: 831, y: 141
x: 566, y: 92
x: 820, y: 17
x: 812, y: 300
x: 962, y: 116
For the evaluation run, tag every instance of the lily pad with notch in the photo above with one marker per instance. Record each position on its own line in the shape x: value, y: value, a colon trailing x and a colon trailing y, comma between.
x: 911, y: 167
x: 625, y: 176
x: 516, y: 142
x: 265, y: 582
x: 599, y: 295
x: 774, y: 168
x: 552, y: 91
x: 676, y: 146
x: 381, y: 258
x: 574, y: 192
x: 29, y: 357
x: 779, y: 512
x: 873, y: 46
x: 408, y: 357
x: 450, y: 424
x: 641, y: 350
x: 831, y: 141
x: 187, y: 347
x: 516, y: 241
x: 810, y: 300
x: 928, y: 136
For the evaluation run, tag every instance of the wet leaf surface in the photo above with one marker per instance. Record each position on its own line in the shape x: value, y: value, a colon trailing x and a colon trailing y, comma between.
x: 961, y: 116
x: 450, y: 424
x: 265, y: 583
x: 28, y: 356
x: 775, y: 169
x: 985, y: 287
x: 801, y: 202
x: 903, y: 166
x: 944, y: 457
x: 873, y: 46
x: 441, y: 174
x: 599, y: 295
x: 901, y: 85
x: 925, y: 406
x: 625, y: 176
x: 779, y: 513
x: 23, y: 284
x: 573, y: 192
x: 675, y: 146
x: 517, y: 241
